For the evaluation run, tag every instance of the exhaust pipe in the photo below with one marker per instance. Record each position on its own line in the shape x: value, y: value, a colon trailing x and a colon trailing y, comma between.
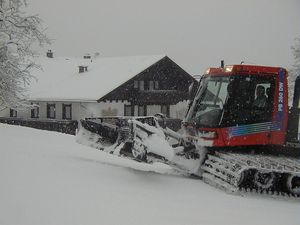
x: 294, y: 116
x: 222, y: 63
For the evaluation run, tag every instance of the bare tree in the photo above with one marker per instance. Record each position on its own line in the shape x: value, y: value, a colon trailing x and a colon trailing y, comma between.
x: 18, y: 33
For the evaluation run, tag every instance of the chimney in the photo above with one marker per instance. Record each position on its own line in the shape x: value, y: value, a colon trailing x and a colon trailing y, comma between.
x: 87, y: 56
x: 82, y: 69
x: 50, y: 54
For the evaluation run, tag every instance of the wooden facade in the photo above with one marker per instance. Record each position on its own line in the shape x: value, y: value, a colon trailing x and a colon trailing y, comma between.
x: 163, y: 83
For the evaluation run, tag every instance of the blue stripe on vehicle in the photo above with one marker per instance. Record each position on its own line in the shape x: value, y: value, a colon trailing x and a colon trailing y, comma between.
x: 253, y: 129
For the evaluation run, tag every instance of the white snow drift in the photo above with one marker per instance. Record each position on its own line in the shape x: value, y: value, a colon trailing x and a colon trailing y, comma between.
x: 47, y: 178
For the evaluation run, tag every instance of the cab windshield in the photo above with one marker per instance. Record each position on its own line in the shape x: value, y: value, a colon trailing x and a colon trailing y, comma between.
x: 209, y: 101
x: 232, y: 100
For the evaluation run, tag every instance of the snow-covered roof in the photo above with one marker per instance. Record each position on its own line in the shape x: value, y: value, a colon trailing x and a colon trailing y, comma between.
x: 60, y: 80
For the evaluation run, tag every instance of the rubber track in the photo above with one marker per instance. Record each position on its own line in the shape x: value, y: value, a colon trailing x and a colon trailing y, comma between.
x: 225, y: 170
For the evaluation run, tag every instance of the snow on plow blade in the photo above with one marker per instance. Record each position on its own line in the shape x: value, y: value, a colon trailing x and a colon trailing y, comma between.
x: 105, y: 130
x: 110, y: 132
x: 106, y: 133
x: 140, y: 138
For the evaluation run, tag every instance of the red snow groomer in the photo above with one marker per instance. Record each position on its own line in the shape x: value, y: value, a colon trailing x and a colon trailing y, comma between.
x: 252, y: 137
x: 239, y: 132
x: 241, y: 105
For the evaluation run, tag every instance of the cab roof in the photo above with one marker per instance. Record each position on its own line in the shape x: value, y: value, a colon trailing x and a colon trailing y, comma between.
x: 245, y: 69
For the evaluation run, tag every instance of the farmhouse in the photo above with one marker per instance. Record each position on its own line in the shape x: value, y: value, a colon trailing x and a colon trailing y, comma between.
x: 75, y: 88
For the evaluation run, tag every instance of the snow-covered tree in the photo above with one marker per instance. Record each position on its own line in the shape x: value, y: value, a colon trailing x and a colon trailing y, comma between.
x: 18, y: 33
x: 296, y: 53
x: 295, y: 71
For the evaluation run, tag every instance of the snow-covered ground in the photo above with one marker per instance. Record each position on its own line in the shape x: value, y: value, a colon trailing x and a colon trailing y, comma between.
x: 47, y: 178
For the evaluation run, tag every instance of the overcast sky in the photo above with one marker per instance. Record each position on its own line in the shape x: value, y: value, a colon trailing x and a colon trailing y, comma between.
x: 196, y: 34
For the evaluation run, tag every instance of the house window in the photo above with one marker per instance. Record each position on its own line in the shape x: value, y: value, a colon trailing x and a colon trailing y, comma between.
x: 128, y: 110
x: 156, y: 85
x: 67, y: 111
x: 51, y: 111
x: 136, y: 84
x: 141, y: 85
x: 142, y: 110
x: 13, y: 113
x: 165, y: 109
x: 35, y: 111
x: 146, y: 85
x: 151, y: 85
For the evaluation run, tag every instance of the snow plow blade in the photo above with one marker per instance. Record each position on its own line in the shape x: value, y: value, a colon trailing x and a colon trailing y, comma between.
x: 104, y: 130
x: 142, y: 139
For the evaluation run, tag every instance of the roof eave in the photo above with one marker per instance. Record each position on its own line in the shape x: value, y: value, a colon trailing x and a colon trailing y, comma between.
x: 61, y: 100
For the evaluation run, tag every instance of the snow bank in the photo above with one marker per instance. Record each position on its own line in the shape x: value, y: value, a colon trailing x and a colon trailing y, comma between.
x: 47, y: 178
